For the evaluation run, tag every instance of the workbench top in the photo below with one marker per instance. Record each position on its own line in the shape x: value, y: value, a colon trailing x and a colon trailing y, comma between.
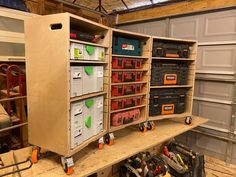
x: 128, y: 142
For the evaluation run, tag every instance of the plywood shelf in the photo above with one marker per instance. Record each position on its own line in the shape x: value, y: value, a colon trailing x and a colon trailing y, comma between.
x: 116, y: 128
x: 173, y: 39
x: 171, y: 86
x: 169, y: 116
x: 88, y: 61
x: 125, y: 109
x: 86, y: 96
x: 127, y: 96
x: 178, y: 59
x: 13, y: 98
x: 88, y: 43
x: 12, y: 59
x: 129, y: 83
x: 91, y: 160
x: 114, y: 70
x: 129, y: 56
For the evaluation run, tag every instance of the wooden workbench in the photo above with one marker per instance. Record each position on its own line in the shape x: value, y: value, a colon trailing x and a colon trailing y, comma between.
x: 127, y: 143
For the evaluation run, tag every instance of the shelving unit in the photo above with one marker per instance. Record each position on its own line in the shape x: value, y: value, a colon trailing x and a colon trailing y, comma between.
x: 49, y: 77
x: 191, y: 62
x: 145, y: 57
x: 12, y: 42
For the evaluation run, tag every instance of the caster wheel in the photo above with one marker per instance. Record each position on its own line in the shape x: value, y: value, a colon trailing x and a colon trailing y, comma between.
x: 150, y: 126
x: 142, y: 128
x: 68, y: 170
x: 188, y: 120
x: 35, y: 154
x: 109, y: 139
x: 101, y: 143
x: 67, y: 164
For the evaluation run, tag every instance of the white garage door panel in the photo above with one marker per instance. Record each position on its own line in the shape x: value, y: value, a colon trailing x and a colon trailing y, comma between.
x: 211, y: 27
x: 219, y: 115
x: 208, y: 145
x: 220, y: 26
x: 216, y: 58
x: 214, y: 90
x: 184, y: 27
x: 155, y: 29
x: 151, y: 28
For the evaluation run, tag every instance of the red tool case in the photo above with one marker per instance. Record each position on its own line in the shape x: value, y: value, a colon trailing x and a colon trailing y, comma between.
x: 126, y: 102
x: 120, y: 90
x: 124, y: 76
x: 125, y: 117
x: 126, y: 63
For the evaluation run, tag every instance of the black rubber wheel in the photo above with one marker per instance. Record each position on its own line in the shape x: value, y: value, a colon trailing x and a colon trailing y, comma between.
x: 141, y: 128
x: 107, y: 139
x: 149, y: 126
x: 188, y: 120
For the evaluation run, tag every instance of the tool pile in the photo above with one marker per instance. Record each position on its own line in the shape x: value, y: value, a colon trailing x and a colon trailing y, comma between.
x: 175, y: 160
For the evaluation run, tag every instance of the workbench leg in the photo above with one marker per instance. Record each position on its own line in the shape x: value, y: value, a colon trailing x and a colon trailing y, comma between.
x: 67, y: 164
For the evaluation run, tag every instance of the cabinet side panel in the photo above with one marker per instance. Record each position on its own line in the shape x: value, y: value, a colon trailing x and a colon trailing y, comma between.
x: 48, y: 82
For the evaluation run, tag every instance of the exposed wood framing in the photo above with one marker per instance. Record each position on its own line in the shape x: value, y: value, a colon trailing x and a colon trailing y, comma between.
x: 174, y: 9
x: 44, y: 7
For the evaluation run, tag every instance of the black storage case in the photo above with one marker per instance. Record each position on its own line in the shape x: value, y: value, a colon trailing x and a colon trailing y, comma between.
x: 167, y: 101
x: 170, y: 49
x: 169, y: 74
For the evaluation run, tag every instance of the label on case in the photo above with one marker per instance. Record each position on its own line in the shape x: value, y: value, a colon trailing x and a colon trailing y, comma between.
x: 77, y: 75
x: 127, y: 47
x: 170, y: 79
x: 168, y: 109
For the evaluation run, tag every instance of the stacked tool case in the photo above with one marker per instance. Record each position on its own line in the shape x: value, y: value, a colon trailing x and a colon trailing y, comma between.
x: 172, y: 78
x: 68, y: 90
x: 129, y: 78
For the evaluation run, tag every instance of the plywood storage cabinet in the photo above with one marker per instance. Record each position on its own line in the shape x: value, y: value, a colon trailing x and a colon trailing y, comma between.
x: 67, y: 82
x: 129, y: 71
x: 172, y: 78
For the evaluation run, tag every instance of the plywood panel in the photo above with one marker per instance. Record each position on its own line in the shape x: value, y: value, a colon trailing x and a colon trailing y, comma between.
x: 91, y: 160
x: 48, y: 87
x: 219, y: 115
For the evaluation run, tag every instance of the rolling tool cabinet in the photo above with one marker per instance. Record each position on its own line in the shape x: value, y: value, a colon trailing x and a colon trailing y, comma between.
x: 67, y: 84
x: 129, y: 71
x: 172, y: 78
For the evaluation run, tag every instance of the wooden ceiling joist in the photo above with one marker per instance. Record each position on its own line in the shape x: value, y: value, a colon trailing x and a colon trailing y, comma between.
x: 184, y: 7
